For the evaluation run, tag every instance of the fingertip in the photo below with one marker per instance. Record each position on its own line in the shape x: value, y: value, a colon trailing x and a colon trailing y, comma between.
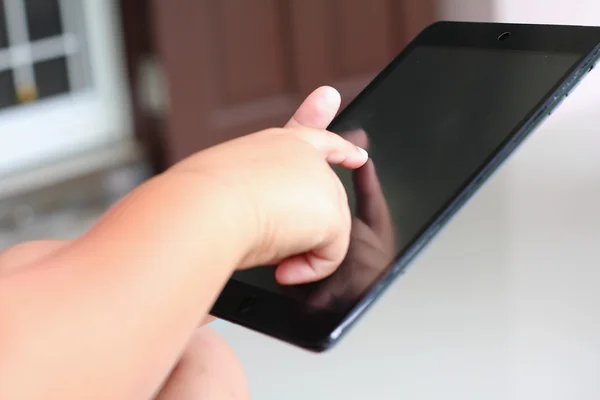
x: 354, y: 159
x: 329, y: 97
x: 318, y: 109
x: 327, y: 101
x: 364, y: 154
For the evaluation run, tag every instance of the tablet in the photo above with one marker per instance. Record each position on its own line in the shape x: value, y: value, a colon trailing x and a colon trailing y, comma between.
x: 437, y: 122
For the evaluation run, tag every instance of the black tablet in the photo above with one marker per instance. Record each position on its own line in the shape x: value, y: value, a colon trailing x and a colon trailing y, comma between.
x: 437, y: 122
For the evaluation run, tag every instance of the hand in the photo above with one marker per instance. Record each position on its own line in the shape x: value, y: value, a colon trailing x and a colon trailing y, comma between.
x: 297, y: 206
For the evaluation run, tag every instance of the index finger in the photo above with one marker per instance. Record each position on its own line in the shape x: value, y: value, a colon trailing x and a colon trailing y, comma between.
x: 334, y: 148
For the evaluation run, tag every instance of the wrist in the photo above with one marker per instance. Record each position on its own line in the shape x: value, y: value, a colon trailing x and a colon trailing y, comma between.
x: 212, y: 211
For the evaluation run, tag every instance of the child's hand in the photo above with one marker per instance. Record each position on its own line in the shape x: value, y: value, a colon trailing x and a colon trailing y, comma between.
x: 297, y: 208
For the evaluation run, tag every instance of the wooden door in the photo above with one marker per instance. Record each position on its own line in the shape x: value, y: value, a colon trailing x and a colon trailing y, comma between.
x: 237, y: 66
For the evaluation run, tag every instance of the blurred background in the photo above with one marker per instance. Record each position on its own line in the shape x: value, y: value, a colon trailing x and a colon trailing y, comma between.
x: 98, y: 95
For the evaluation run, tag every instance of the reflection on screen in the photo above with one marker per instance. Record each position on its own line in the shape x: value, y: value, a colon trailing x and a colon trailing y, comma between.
x: 428, y: 128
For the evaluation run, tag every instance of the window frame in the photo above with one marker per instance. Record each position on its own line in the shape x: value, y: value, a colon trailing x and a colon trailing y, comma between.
x: 55, y: 128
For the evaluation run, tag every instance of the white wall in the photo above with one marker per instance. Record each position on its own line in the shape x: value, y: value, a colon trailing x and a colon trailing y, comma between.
x: 504, y: 304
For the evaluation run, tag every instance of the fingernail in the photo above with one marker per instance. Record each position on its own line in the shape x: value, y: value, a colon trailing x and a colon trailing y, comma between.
x: 363, y: 152
x: 330, y: 96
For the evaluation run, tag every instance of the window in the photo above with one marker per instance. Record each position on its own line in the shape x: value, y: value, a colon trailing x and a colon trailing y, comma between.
x: 42, y: 50
x: 61, y: 84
